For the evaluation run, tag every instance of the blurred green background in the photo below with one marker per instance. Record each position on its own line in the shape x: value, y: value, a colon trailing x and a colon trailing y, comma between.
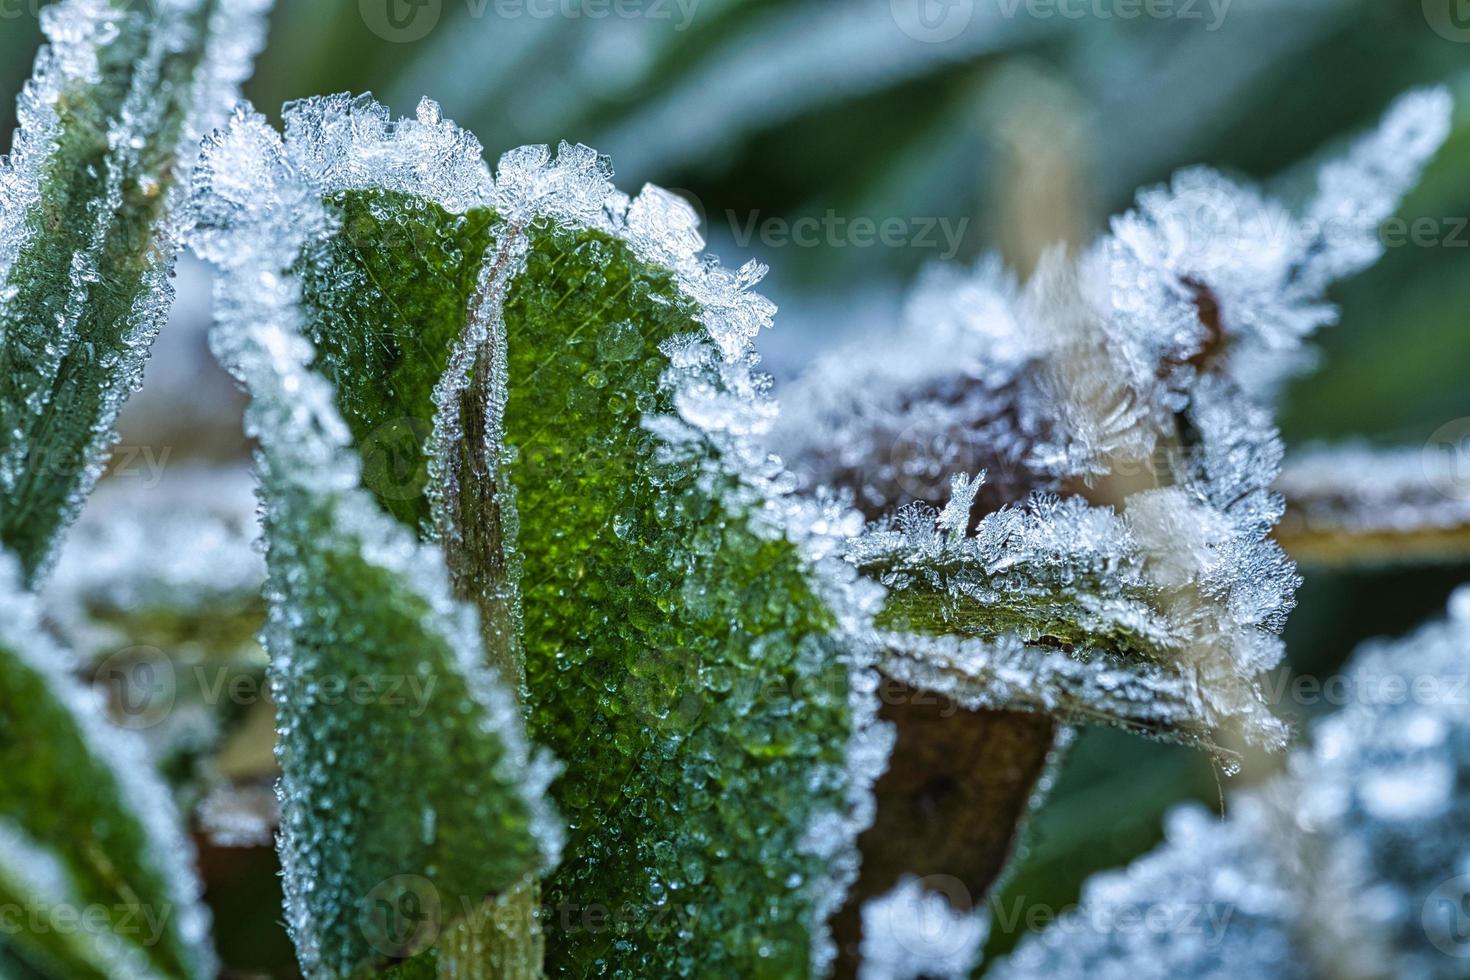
x: 1020, y: 121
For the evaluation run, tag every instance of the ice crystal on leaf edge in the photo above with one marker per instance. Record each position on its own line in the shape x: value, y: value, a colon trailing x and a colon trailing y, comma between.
x: 313, y: 498
x: 252, y: 179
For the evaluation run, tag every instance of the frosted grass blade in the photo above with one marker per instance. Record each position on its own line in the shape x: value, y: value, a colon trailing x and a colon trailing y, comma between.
x: 89, y: 226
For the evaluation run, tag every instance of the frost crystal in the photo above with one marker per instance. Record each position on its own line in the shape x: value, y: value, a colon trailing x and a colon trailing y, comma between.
x: 89, y: 226
x: 76, y: 789
x: 1119, y: 400
x: 911, y: 933
x: 573, y: 389
x: 892, y: 418
x: 1154, y: 591
x: 1097, y: 361
x: 378, y: 672
x: 1352, y: 864
x: 158, y: 586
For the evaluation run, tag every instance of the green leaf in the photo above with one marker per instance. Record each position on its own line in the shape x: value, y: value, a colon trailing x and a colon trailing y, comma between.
x: 702, y: 765
x: 571, y: 387
x: 90, y: 848
x: 407, y: 790
x: 110, y: 123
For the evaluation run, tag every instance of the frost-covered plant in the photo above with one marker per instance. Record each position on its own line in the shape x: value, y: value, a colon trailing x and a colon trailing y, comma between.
x: 89, y: 225
x: 514, y: 453
x: 1352, y: 863
x: 1122, y: 398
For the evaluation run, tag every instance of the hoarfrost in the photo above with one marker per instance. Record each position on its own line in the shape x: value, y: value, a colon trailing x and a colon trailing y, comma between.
x: 1137, y: 376
x: 1156, y: 590
x: 1351, y: 864
x: 722, y: 403
x: 1205, y: 282
x: 256, y: 208
x: 31, y: 872
x: 109, y: 126
x: 183, y: 547
x: 253, y: 180
x: 911, y: 933
x: 139, y: 797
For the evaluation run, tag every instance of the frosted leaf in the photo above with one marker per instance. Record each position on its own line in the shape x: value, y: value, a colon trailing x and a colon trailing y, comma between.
x: 1351, y: 864
x: 1357, y: 504
x: 1006, y: 673
x: 1157, y: 590
x: 1211, y: 903
x: 1215, y: 277
x: 32, y: 878
x: 398, y: 747
x: 569, y: 388
x: 911, y: 933
x: 77, y: 791
x: 89, y: 226
x: 1135, y: 364
x: 1100, y: 359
